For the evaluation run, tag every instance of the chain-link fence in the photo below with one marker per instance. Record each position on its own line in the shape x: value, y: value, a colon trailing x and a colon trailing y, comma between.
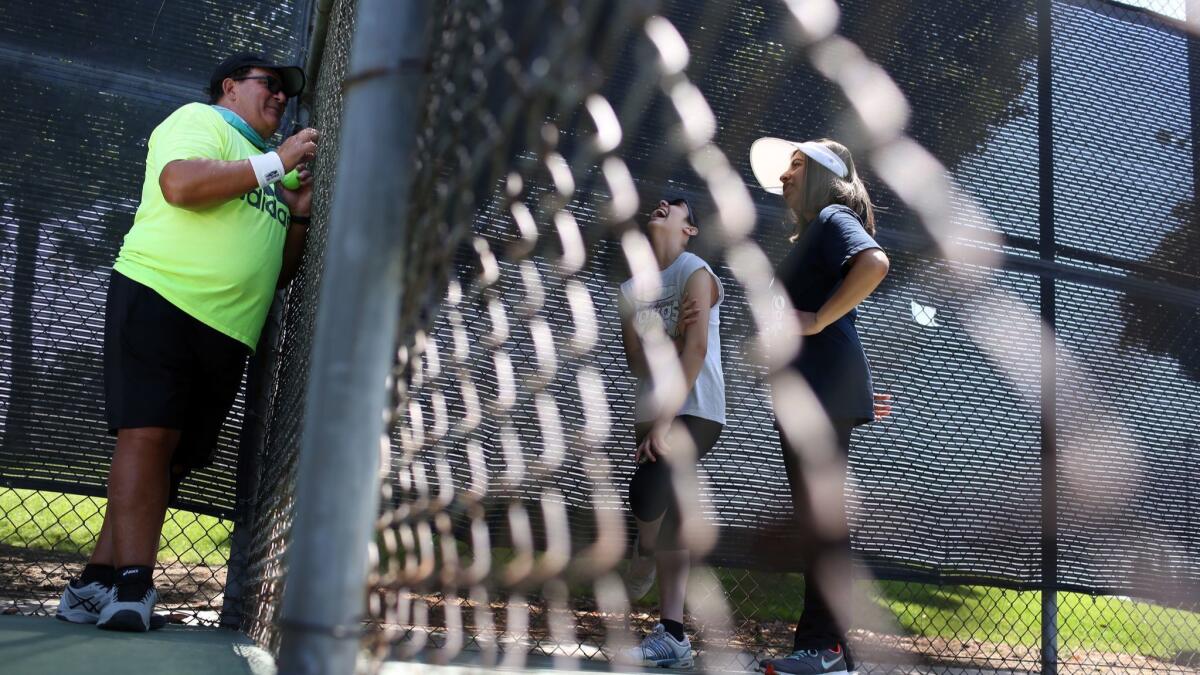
x: 47, y: 536
x: 1023, y: 477
x: 274, y: 497
x: 86, y: 83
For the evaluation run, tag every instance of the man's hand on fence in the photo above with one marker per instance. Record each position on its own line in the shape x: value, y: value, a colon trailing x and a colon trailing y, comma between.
x: 300, y: 148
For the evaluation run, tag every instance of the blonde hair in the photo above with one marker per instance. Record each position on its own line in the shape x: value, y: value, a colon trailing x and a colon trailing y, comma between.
x: 822, y: 188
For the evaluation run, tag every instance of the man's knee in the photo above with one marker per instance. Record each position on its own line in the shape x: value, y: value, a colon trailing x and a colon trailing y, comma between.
x: 148, y: 439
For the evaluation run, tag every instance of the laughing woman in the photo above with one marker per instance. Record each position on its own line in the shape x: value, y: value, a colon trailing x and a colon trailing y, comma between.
x: 689, y: 294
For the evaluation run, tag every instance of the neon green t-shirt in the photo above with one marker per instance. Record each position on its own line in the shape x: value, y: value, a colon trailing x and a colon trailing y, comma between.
x: 219, y: 264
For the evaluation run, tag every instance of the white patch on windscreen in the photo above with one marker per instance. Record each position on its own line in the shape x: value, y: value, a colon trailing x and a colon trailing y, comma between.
x: 924, y: 315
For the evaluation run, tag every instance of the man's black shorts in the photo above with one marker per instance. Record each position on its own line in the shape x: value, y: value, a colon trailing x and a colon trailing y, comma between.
x: 164, y: 368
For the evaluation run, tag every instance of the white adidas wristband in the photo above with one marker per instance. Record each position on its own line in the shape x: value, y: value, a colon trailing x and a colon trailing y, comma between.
x: 268, y: 168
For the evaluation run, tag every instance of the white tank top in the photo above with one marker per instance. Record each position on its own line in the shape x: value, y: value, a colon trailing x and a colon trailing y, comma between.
x: 707, y: 398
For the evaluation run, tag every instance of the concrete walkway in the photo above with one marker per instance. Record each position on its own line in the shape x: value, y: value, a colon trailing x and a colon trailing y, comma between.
x: 32, y: 645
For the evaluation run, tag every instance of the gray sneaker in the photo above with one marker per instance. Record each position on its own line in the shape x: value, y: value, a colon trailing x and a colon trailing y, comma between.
x: 129, y: 614
x: 658, y: 649
x: 82, y: 603
x: 639, y: 578
x: 831, y: 661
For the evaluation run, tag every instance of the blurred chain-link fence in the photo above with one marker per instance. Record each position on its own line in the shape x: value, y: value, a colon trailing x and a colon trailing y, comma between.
x: 1023, y: 477
x: 1021, y: 474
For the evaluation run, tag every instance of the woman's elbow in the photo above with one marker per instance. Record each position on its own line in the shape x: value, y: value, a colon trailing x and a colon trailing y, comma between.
x: 883, y: 264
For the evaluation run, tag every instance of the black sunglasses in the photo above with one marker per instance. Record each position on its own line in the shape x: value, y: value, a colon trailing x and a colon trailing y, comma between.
x: 691, y: 215
x: 274, y: 84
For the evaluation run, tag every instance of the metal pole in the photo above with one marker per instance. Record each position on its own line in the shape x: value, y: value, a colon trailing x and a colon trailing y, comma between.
x: 337, y: 496
x: 1049, y: 393
x: 1192, y: 17
x: 322, y: 10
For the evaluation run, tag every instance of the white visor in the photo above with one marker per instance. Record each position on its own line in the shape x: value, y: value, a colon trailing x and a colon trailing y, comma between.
x: 770, y: 158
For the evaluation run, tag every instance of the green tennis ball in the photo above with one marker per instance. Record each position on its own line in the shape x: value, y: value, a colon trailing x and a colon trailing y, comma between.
x: 292, y: 180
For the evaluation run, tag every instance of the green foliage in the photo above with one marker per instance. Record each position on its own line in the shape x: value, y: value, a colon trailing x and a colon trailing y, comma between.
x: 980, y: 613
x: 56, y: 521
x: 1104, y: 623
x: 962, y: 66
x: 965, y: 69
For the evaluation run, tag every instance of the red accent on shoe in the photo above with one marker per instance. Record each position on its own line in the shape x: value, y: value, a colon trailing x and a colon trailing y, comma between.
x: 837, y: 648
x: 770, y: 669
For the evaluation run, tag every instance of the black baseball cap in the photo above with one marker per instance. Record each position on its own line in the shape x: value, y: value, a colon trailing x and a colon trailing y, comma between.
x: 291, y: 76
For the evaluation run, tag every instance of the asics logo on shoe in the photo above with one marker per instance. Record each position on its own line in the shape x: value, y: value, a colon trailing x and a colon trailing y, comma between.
x: 77, y: 602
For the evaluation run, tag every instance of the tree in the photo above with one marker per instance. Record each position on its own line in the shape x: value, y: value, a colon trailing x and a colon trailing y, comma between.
x: 1157, y: 326
x: 962, y: 66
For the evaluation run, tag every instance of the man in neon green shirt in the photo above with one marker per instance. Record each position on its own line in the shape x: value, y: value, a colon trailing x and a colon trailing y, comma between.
x: 214, y: 235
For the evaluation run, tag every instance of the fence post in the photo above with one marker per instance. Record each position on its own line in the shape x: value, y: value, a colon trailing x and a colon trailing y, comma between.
x: 1192, y: 18
x: 337, y: 495
x: 1049, y: 390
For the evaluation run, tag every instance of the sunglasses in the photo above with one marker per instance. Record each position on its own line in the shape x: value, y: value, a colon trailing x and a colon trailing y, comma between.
x: 274, y: 85
x: 691, y: 215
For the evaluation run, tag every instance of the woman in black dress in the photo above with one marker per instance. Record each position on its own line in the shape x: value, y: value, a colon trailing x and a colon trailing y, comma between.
x: 835, y: 264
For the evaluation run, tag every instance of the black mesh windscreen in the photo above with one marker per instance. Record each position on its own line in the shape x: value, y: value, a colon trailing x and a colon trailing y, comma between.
x: 948, y: 489
x: 85, y: 84
x: 1128, y: 393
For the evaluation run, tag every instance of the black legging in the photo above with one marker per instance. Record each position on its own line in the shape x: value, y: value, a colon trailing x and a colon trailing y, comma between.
x: 652, y: 493
x: 818, y: 625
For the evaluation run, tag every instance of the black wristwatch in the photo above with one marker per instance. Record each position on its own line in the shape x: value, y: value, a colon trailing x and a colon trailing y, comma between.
x: 300, y: 220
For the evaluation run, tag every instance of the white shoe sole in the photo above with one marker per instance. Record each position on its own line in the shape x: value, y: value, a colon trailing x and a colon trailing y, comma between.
x: 128, y: 616
x: 129, y: 620
x: 157, y: 621
x: 762, y: 669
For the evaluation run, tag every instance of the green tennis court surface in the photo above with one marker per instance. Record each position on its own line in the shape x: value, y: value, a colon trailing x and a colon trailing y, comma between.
x: 37, y: 645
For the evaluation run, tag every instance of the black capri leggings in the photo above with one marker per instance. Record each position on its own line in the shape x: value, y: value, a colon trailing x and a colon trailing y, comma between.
x: 652, y: 492
x: 818, y: 624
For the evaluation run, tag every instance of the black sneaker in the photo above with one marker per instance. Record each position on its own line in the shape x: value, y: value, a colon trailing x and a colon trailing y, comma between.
x: 830, y: 661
